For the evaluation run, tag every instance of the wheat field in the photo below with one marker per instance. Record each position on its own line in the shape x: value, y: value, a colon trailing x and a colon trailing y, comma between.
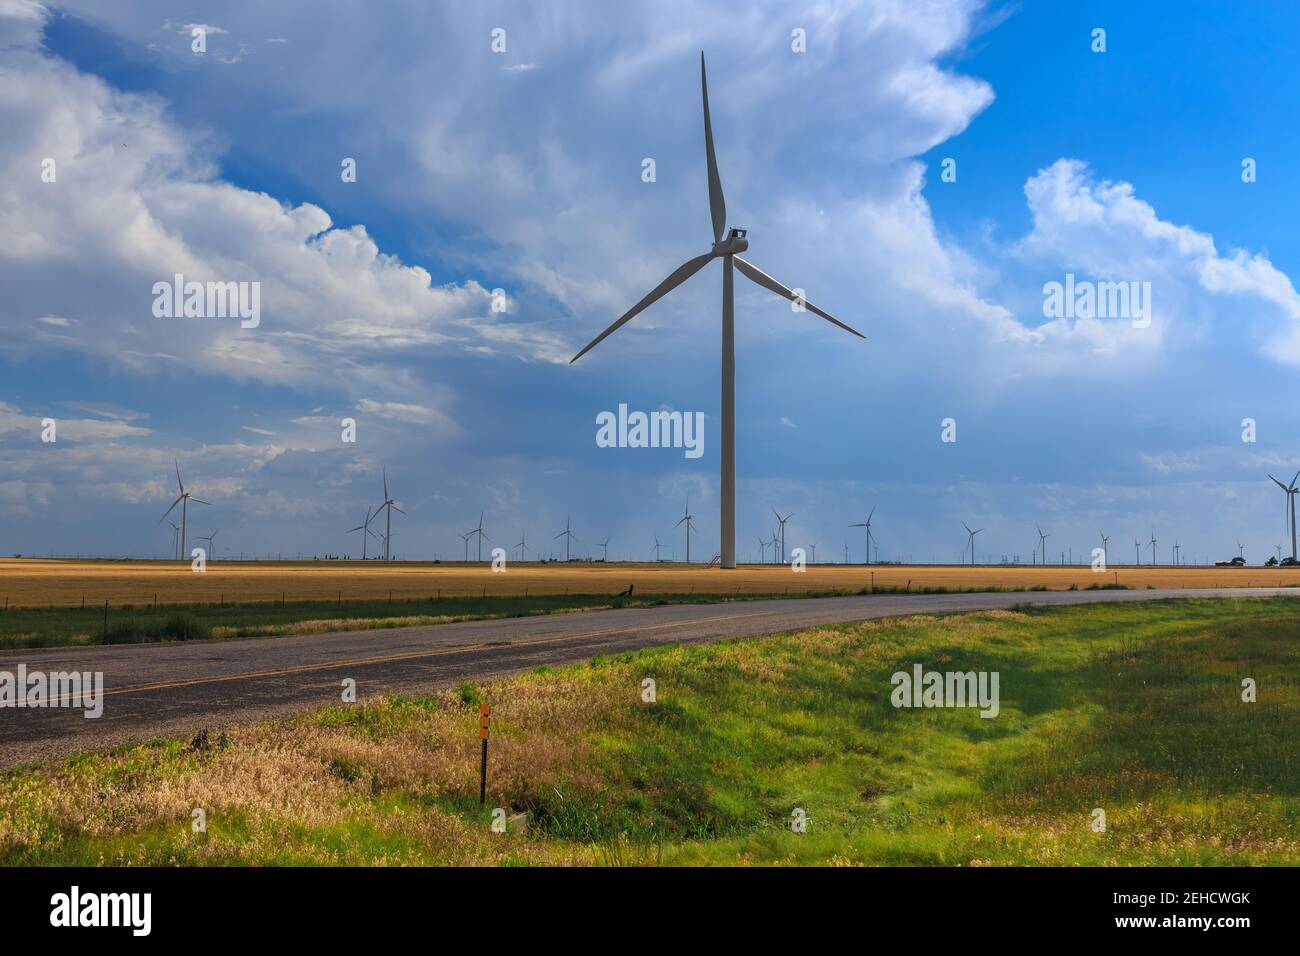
x: 42, y: 582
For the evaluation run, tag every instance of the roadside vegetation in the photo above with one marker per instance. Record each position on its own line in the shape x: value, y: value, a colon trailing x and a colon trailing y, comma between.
x: 1132, y: 709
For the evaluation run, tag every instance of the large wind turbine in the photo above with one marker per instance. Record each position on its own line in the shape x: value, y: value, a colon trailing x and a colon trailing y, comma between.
x: 866, y: 524
x: 972, y: 540
x: 391, y: 506
x: 688, y: 519
x: 728, y: 251
x: 567, y: 535
x: 1042, y: 543
x: 1291, y: 491
x: 184, y: 500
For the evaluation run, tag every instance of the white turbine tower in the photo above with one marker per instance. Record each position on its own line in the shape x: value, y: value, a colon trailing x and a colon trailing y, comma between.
x: 728, y: 251
x: 866, y: 524
x: 390, y: 505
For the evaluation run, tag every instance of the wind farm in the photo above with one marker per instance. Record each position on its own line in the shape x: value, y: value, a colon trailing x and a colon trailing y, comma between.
x: 495, y: 254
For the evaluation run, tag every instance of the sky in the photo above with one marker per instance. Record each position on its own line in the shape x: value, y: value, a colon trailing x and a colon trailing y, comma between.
x: 502, y: 215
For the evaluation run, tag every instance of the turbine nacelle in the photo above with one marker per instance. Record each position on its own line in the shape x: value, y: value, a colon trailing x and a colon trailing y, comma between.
x: 734, y: 244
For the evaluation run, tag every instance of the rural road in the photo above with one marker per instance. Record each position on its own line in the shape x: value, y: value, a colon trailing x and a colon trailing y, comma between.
x: 155, y: 690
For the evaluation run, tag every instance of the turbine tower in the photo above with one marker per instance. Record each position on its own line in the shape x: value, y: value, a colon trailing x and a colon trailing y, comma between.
x: 1291, y: 491
x: 522, y: 545
x: 391, y: 506
x: 176, y: 540
x: 972, y: 541
x: 728, y: 251
x: 184, y: 500
x: 1042, y: 543
x: 604, y: 551
x: 567, y: 535
x: 866, y: 524
x: 657, y: 547
x: 1105, y: 549
x: 1137, y: 550
x: 1152, y: 542
x: 687, y: 519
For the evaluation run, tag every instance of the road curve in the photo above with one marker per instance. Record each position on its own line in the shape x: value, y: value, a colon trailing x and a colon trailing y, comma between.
x: 154, y: 690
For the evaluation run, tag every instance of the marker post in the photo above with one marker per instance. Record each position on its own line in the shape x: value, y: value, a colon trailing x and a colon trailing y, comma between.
x: 485, y: 718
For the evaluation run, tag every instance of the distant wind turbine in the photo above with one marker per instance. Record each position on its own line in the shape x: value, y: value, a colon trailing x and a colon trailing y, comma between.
x: 1152, y: 542
x: 867, y: 525
x: 1105, y: 548
x: 728, y: 251
x: 391, y: 506
x: 1291, y: 491
x: 184, y: 500
x: 481, y: 535
x: 972, y: 541
x: 567, y: 535
x: 781, y: 522
x: 522, y: 545
x: 657, y: 547
x: 176, y: 540
x: 604, y: 551
x: 687, y: 519
x: 1042, y: 542
x: 364, y: 528
x: 1137, y: 549
x: 208, y: 539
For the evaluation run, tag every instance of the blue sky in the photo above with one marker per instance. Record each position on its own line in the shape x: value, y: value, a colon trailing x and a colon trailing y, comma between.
x: 521, y: 171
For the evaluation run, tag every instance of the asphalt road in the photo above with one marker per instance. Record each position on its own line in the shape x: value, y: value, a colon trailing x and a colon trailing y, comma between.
x: 157, y: 690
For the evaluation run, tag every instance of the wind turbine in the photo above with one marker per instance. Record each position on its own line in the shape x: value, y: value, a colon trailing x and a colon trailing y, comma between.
x: 604, y: 549
x: 481, y: 535
x: 184, y: 500
x: 866, y: 524
x: 657, y: 547
x: 522, y: 545
x: 813, y: 547
x: 728, y: 251
x: 1152, y: 542
x: 567, y: 535
x: 364, y: 528
x: 1042, y: 543
x: 1137, y: 549
x: 762, y: 551
x: 689, y: 520
x: 781, y: 522
x: 1291, y: 491
x: 391, y: 505
x: 465, y: 537
x: 1105, y: 549
x: 972, y: 541
x: 1241, y: 552
x: 208, y: 539
x: 176, y: 540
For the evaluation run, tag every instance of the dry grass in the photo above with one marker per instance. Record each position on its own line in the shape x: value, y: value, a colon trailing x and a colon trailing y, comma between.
x: 35, y: 582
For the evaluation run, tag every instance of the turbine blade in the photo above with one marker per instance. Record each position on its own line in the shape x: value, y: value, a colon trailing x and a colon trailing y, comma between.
x: 199, y: 501
x: 398, y: 510
x: 760, y: 277
x: 682, y: 273
x: 717, y: 205
x: 178, y: 476
x: 169, y: 510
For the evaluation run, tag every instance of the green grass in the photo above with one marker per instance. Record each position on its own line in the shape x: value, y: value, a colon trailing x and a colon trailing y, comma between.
x: 1134, y: 709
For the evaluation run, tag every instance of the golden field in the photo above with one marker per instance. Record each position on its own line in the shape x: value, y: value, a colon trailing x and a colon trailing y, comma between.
x: 39, y: 582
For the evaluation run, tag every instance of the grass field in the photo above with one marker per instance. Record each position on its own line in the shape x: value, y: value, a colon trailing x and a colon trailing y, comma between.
x: 1136, y: 710
x: 36, y: 583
